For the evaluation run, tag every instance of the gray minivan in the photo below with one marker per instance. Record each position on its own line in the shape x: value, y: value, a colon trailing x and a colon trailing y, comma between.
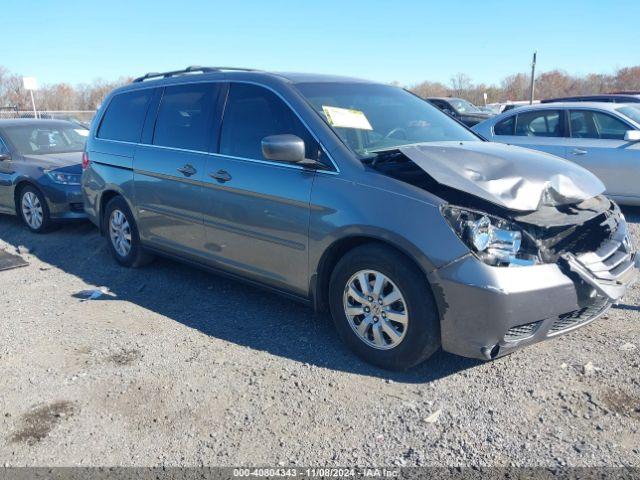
x: 357, y: 198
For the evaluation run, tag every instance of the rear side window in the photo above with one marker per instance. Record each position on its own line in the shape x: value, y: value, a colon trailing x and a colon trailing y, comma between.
x: 505, y: 127
x: 540, y: 123
x: 125, y: 115
x: 185, y: 116
x: 252, y: 113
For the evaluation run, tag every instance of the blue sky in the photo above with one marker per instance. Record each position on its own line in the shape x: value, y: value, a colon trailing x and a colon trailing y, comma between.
x: 405, y: 41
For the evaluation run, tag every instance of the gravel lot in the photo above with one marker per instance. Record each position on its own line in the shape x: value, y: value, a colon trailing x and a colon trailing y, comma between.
x: 179, y: 367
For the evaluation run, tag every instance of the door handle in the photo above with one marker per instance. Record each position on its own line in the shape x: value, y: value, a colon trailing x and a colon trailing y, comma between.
x: 187, y: 170
x: 221, y: 175
x: 578, y: 151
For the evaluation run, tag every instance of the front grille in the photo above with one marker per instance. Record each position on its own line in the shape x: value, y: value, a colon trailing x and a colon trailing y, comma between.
x: 76, y: 207
x: 578, y: 317
x: 611, y: 262
x: 521, y: 331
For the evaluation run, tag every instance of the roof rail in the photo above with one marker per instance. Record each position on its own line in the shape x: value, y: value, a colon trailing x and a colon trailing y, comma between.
x: 191, y: 69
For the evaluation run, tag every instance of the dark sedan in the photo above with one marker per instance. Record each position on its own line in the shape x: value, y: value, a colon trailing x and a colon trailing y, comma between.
x: 40, y: 170
x: 460, y: 109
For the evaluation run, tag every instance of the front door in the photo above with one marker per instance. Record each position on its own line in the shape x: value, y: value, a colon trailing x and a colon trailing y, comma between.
x: 6, y: 180
x: 597, y: 144
x: 257, y: 211
x: 168, y: 172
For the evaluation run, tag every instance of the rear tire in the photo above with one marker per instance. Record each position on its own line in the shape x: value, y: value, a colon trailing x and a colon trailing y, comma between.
x: 122, y: 235
x: 393, y: 321
x: 32, y: 208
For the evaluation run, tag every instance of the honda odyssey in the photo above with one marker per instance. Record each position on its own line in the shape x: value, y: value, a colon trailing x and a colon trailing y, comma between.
x: 360, y: 199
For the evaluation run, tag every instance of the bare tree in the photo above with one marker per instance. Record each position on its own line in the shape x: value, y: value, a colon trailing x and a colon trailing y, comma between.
x: 430, y: 89
x: 460, y: 84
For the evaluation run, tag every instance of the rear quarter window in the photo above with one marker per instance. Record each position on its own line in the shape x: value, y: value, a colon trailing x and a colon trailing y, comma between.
x: 125, y: 116
x: 505, y: 127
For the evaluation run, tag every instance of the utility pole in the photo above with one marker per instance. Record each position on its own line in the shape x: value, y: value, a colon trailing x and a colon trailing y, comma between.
x: 533, y: 78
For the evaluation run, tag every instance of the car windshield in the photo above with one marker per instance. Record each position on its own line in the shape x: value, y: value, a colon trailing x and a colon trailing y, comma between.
x: 370, y: 118
x: 631, y: 111
x: 462, y: 106
x: 43, y: 139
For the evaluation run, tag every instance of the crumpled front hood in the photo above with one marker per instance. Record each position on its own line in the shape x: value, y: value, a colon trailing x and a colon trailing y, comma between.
x: 512, y: 177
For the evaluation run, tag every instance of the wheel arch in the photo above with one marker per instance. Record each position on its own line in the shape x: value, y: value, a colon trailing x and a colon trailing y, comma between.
x: 105, y: 197
x: 340, y: 247
x: 17, y: 190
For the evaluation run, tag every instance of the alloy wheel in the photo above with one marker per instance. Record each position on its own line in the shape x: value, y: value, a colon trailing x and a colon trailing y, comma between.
x: 32, y: 210
x: 120, y: 233
x: 376, y: 309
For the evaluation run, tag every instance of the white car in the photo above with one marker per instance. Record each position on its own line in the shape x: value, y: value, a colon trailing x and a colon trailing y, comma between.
x: 602, y: 137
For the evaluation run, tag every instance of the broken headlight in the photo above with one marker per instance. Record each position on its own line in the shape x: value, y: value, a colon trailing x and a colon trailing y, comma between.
x: 493, y: 240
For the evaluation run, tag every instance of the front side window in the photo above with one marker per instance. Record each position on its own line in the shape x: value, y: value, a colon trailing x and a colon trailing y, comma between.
x: 370, y: 118
x: 41, y: 139
x: 252, y: 113
x: 125, y: 116
x: 185, y: 116
x: 592, y: 124
x: 539, y: 123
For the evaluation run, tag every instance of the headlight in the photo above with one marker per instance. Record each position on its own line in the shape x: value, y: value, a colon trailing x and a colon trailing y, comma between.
x: 64, y: 178
x: 493, y: 240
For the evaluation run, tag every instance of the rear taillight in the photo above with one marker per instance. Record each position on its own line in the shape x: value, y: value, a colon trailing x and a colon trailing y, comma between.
x: 85, y: 160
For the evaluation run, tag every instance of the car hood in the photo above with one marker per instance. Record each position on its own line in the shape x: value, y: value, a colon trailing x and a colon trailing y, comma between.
x: 512, y: 177
x: 70, y: 162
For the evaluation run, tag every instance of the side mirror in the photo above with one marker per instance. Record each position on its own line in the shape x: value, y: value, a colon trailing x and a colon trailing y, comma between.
x: 6, y: 156
x: 632, y: 136
x: 283, y: 148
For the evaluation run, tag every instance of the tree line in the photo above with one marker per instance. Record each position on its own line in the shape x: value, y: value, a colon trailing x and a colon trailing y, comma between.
x: 554, y: 83
x: 57, y: 96
x: 88, y: 96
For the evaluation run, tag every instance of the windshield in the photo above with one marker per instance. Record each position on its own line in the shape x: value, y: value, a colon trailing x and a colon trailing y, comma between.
x: 369, y: 118
x: 42, y: 139
x: 462, y: 106
x: 631, y: 111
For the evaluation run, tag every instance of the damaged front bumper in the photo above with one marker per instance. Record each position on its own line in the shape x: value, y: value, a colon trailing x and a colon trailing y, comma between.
x: 487, y: 311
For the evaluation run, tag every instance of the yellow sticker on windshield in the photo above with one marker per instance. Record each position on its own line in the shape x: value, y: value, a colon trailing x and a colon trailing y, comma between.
x: 346, y: 118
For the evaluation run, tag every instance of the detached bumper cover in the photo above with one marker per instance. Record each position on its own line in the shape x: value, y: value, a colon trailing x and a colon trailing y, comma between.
x: 611, y: 269
x: 490, y: 311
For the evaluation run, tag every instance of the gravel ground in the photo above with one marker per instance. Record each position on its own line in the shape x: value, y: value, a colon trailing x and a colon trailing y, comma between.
x: 175, y: 366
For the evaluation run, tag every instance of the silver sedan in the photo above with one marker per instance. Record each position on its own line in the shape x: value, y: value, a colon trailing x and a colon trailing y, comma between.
x: 602, y: 137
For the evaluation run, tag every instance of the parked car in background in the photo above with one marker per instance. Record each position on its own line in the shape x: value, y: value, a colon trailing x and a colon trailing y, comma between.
x: 358, y: 198
x: 601, y: 137
x: 605, y: 97
x: 40, y: 169
x: 460, y: 109
x: 498, y: 108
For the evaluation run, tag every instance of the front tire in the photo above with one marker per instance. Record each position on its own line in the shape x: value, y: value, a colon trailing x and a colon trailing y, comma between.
x: 32, y: 208
x: 122, y: 235
x: 383, y: 308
